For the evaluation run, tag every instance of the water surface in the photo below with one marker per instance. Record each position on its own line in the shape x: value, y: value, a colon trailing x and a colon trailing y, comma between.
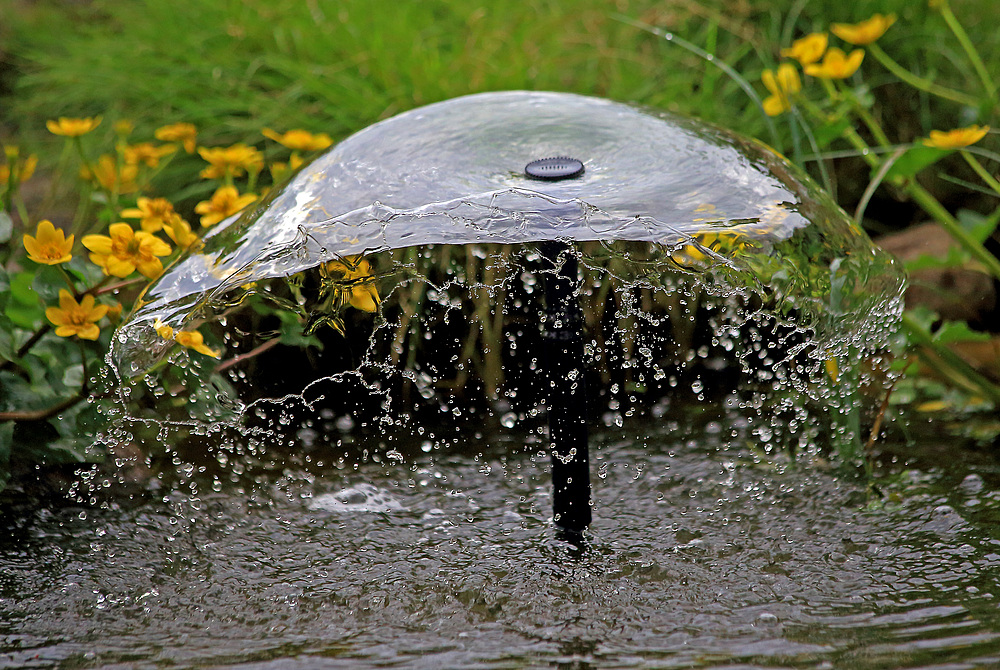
x: 702, y: 554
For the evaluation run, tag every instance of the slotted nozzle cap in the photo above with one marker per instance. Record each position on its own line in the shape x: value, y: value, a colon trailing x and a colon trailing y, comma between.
x: 554, y: 169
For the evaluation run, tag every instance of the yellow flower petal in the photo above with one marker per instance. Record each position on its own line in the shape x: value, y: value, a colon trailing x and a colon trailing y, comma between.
x: 163, y: 330
x: 775, y: 105
x: 185, y: 133
x: 808, y: 49
x: 49, y: 246
x: 364, y: 298
x: 836, y: 64
x: 865, y: 32
x: 88, y: 332
x: 194, y: 340
x: 70, y: 127
x: 224, y: 203
x: 73, y: 318
x: 956, y: 139
x: 100, y: 244
x: 56, y: 316
x: 66, y: 300
x: 299, y: 140
x: 782, y: 87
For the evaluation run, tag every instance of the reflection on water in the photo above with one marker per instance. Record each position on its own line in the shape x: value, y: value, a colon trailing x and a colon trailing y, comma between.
x: 700, y: 557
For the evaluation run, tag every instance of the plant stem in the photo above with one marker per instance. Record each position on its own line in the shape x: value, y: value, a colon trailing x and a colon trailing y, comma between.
x: 40, y: 414
x: 874, y: 126
x: 22, y: 211
x: 67, y: 278
x: 920, y: 83
x: 869, y: 120
x: 983, y: 173
x: 970, y: 49
x: 862, y: 146
x: 256, y: 351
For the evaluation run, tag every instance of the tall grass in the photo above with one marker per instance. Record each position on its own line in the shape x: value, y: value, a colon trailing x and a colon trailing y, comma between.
x: 232, y: 67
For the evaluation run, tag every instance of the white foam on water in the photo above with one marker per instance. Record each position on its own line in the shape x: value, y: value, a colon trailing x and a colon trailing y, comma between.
x: 359, y: 498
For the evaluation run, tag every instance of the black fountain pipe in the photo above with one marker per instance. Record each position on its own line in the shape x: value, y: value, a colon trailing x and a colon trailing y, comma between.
x: 563, y: 368
x: 567, y: 389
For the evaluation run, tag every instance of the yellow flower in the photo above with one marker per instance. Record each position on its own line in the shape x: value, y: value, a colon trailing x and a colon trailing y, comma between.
x: 192, y: 339
x: 107, y: 175
x: 956, y: 139
x: 832, y: 369
x: 18, y: 169
x: 76, y: 318
x: 163, y: 330
x: 357, y: 272
x: 808, y: 49
x: 865, y: 32
x: 72, y: 127
x: 299, y: 140
x: 234, y: 161
x: 836, y: 64
x: 153, y: 213
x: 147, y: 152
x: 185, y: 133
x: 719, y: 241
x: 782, y: 87
x: 49, y: 246
x: 224, y: 203
x: 126, y: 251
x: 179, y: 230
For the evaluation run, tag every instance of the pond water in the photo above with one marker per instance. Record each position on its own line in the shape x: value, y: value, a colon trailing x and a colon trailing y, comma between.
x: 702, y: 554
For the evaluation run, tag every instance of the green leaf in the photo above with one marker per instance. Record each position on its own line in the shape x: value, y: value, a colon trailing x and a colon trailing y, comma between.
x: 828, y: 132
x: 958, y: 331
x: 47, y: 284
x: 73, y: 376
x: 915, y: 159
x: 24, y: 309
x: 292, y: 332
x: 4, y: 289
x: 20, y: 288
x: 978, y: 226
x: 957, y: 257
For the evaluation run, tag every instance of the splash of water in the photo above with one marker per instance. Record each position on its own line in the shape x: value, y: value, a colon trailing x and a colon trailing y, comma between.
x: 667, y: 212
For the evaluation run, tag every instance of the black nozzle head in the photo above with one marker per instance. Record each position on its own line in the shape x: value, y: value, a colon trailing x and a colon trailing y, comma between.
x: 554, y: 169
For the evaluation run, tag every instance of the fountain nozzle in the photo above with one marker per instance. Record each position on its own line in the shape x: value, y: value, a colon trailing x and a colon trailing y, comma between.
x: 554, y: 169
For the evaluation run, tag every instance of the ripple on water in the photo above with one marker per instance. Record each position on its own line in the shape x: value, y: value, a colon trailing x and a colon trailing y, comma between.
x: 698, y: 559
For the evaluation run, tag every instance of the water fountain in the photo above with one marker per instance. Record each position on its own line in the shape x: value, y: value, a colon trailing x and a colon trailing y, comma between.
x: 387, y: 500
x: 687, y: 200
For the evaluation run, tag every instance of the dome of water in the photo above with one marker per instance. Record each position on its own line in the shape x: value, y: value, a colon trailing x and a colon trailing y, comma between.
x: 704, y: 202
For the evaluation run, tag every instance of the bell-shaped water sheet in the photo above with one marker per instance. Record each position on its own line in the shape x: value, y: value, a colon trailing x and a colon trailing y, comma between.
x: 428, y: 218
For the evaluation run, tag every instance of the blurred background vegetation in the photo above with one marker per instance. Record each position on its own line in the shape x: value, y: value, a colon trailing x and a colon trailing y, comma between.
x: 231, y: 67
